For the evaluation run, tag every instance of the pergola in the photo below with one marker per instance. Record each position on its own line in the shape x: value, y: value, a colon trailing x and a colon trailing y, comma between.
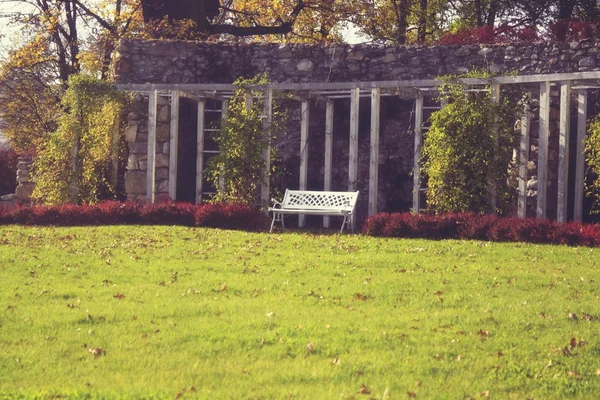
x: 569, y: 83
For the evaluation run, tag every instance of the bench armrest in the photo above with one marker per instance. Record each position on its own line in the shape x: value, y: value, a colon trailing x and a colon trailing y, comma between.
x: 276, y: 204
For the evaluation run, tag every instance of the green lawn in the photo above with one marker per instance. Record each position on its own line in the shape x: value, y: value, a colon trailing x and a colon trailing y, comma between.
x: 200, y: 313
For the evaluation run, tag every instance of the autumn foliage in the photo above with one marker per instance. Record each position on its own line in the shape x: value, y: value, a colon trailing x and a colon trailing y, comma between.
x: 218, y: 215
x: 472, y: 226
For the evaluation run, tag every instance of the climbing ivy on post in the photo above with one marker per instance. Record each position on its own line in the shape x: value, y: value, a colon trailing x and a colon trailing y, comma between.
x: 239, y: 168
x: 592, y: 158
x: 76, y: 161
x: 468, y: 147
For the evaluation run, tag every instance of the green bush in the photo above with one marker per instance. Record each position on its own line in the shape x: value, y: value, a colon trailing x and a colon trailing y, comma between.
x: 467, y: 149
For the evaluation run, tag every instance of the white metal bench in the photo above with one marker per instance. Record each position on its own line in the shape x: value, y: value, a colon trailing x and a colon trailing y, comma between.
x: 303, y: 202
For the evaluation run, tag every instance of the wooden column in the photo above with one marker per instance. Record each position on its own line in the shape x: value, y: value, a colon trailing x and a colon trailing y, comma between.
x: 563, y: 151
x: 524, y: 159
x: 544, y: 133
x: 265, y: 188
x: 353, y: 153
x: 417, y: 153
x: 151, y: 152
x: 173, y: 144
x: 495, y: 98
x: 224, y: 117
x: 374, y: 157
x: 582, y: 99
x: 200, y: 151
x: 304, y: 118
x: 328, y: 152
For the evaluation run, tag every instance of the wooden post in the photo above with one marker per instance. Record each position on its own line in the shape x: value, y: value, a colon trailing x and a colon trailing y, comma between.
x: 200, y: 151
x: 265, y: 188
x: 495, y: 98
x: 224, y: 118
x: 328, y: 152
x: 374, y: 157
x: 353, y: 152
x: 524, y: 159
x: 580, y: 160
x: 304, y: 119
x: 151, y: 152
x: 173, y: 144
x: 417, y: 153
x: 544, y: 133
x: 563, y: 151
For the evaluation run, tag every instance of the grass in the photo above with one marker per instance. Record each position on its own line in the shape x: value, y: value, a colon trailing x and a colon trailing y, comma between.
x: 199, y: 313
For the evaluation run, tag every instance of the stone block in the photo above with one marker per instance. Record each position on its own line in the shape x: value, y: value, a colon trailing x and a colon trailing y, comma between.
x: 162, y: 173
x: 164, y: 114
x: 131, y: 133
x: 135, y: 182
x: 162, y: 132
x: 162, y: 160
x: 162, y: 186
x: 138, y: 147
x: 23, y: 192
x: 132, y: 162
x: 587, y: 62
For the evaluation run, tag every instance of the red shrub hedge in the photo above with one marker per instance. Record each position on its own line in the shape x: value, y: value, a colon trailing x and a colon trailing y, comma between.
x: 480, y: 227
x: 226, y: 216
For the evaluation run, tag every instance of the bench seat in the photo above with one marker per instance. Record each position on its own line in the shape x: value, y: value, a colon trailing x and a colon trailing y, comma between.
x: 304, y: 202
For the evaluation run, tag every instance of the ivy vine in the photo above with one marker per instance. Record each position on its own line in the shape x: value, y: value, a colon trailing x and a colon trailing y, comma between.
x: 468, y: 149
x: 76, y: 162
x: 239, y: 168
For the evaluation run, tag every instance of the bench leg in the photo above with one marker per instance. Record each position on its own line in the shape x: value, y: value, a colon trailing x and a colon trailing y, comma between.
x: 344, y: 223
x: 273, y: 221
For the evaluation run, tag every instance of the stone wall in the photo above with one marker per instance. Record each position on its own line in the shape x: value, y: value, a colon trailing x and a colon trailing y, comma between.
x: 141, y: 61
x: 191, y: 62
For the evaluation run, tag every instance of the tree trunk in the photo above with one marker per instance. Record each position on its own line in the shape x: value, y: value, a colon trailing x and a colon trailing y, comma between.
x: 422, y: 25
x: 401, y: 11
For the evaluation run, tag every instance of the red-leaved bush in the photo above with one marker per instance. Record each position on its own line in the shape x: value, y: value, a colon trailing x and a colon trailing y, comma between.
x: 488, y: 34
x: 481, y: 227
x: 226, y: 216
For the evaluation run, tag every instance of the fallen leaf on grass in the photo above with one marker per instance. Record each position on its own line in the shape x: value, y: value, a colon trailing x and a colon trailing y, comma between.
x: 119, y: 296
x: 574, y: 374
x: 439, y: 293
x: 598, y: 372
x: 500, y: 353
x: 364, y: 389
x: 483, y: 333
x: 96, y: 351
x: 485, y: 393
x: 573, y: 316
x: 412, y: 395
x: 336, y: 361
x: 223, y: 287
x: 309, y: 348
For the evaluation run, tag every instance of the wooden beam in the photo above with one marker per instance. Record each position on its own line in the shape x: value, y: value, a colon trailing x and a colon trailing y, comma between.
x: 495, y: 98
x: 224, y: 118
x: 353, y: 152
x: 328, y: 152
x: 524, y: 158
x: 173, y: 144
x: 582, y: 100
x: 374, y: 157
x: 416, y: 208
x: 563, y: 151
x: 542, y: 166
x: 200, y: 152
x: 415, y: 83
x: 151, y: 152
x: 265, y: 188
x: 304, y: 120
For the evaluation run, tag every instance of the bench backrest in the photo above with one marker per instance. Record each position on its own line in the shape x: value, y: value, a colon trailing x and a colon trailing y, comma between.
x: 307, y: 200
